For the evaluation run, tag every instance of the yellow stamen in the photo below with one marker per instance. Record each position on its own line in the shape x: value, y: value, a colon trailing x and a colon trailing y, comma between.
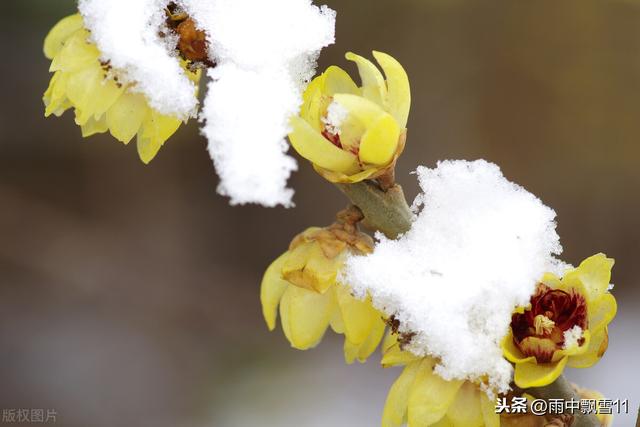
x: 543, y: 325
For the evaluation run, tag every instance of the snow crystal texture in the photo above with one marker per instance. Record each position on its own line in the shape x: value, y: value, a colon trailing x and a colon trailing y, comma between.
x: 265, y: 53
x: 476, y: 249
x: 127, y: 34
x: 572, y: 337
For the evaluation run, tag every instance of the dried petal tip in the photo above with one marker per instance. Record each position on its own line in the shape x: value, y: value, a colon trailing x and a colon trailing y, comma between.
x: 192, y: 41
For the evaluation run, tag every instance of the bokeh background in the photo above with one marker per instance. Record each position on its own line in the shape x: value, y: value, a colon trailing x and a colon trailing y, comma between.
x: 129, y: 293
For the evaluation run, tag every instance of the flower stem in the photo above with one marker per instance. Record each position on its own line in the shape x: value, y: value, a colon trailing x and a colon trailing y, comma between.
x: 388, y: 212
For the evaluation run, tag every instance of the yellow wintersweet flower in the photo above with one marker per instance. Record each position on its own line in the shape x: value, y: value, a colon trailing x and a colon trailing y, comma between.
x: 91, y: 87
x: 565, y: 324
x: 421, y: 398
x: 353, y: 133
x: 303, y: 284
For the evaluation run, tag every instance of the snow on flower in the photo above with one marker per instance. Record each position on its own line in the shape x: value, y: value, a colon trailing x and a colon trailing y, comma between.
x: 127, y: 33
x: 264, y: 52
x: 476, y: 250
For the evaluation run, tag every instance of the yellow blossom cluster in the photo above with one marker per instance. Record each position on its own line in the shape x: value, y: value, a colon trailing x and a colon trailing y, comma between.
x: 82, y: 81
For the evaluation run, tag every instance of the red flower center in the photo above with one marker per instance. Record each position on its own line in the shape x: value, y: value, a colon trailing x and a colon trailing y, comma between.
x: 539, y: 331
x: 334, y: 138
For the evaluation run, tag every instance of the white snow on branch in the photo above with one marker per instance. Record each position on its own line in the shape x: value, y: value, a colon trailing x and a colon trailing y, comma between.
x: 265, y: 52
x: 246, y: 138
x: 476, y: 250
x: 127, y: 32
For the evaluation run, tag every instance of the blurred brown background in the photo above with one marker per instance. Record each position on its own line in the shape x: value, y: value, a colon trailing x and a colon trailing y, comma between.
x: 129, y: 294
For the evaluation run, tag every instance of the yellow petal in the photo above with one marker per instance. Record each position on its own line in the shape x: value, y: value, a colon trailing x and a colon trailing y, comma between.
x: 380, y: 143
x: 314, y: 147
x: 319, y: 94
x: 488, y: 409
x: 320, y: 270
x: 374, y: 87
x: 76, y: 54
x: 398, y: 101
x: 296, y: 259
x: 362, y: 351
x: 126, y: 115
x: 367, y: 112
x: 601, y: 312
x: 336, y: 322
x: 373, y: 340
x: 538, y: 374
x: 48, y: 94
x: 358, y: 315
x: 512, y: 353
x: 156, y: 129
x: 551, y: 280
x: 395, y: 408
x: 390, y: 340
x: 60, y: 110
x: 336, y: 80
x: 367, y: 124
x: 55, y: 98
x: 314, y: 103
x: 93, y: 126
x: 430, y: 396
x: 55, y: 40
x: 305, y: 316
x: 80, y: 87
x: 395, y: 356
x: 271, y: 291
x: 105, y: 96
x: 444, y: 422
x: 596, y: 348
x: 346, y: 179
x: 91, y: 93
x: 306, y: 266
x: 594, y: 274
x: 351, y: 351
x: 465, y: 409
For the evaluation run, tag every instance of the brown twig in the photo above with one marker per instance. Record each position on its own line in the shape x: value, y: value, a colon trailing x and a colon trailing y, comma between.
x: 386, y: 211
